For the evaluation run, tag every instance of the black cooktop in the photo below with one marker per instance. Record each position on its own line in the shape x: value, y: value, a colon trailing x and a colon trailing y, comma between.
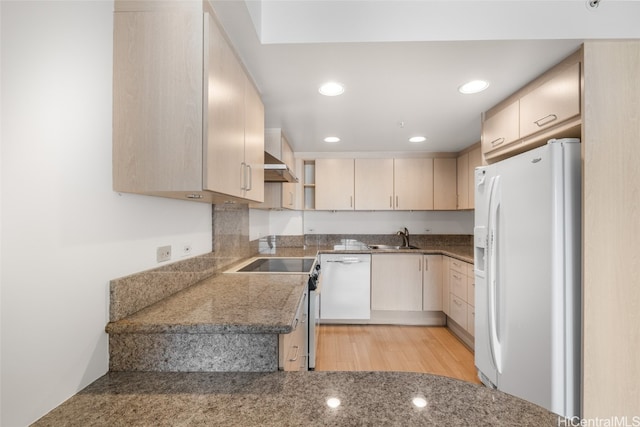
x: 279, y: 265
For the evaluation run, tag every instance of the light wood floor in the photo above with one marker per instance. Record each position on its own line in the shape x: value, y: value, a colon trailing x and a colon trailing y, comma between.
x: 431, y: 350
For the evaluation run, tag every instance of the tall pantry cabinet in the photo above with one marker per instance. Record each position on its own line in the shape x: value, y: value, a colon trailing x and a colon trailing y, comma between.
x: 188, y: 122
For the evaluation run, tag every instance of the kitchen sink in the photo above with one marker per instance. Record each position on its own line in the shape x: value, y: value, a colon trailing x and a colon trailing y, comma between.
x: 391, y: 247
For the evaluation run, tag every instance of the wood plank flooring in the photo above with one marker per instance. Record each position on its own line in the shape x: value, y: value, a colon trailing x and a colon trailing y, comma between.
x: 426, y: 349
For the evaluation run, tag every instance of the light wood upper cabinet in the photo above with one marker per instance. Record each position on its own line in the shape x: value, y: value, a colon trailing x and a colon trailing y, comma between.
x: 551, y: 103
x: 444, y: 184
x: 396, y: 282
x: 502, y: 128
x: 413, y: 184
x: 548, y: 107
x: 187, y: 121
x: 475, y: 160
x: 334, y: 184
x: 463, y: 181
x: 374, y: 184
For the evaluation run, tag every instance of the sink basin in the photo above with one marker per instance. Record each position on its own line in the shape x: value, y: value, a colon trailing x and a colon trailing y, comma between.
x: 391, y: 247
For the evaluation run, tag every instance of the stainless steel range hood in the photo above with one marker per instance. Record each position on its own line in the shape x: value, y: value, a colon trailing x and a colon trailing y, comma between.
x: 277, y: 171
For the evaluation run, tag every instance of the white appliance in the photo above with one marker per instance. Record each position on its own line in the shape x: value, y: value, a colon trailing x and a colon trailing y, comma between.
x: 527, y: 274
x: 346, y: 287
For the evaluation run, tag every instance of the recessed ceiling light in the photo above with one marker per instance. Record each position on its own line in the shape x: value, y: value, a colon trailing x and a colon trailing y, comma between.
x: 473, y: 86
x: 417, y: 139
x: 332, y: 89
x: 332, y: 139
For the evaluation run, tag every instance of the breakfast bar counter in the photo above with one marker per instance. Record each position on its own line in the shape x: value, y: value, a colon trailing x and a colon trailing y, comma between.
x: 291, y: 399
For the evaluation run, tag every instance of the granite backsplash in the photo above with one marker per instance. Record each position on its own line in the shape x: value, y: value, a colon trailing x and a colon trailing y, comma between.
x: 231, y: 244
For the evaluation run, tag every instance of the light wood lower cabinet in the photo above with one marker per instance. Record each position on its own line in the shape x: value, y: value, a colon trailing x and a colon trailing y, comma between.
x: 432, y: 283
x: 462, y: 294
x: 396, y: 282
x: 292, y: 347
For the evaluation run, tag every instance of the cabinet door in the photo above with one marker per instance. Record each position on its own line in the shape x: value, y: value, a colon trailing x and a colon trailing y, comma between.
x: 475, y: 160
x: 157, y: 97
x: 463, y: 181
x: 253, y: 144
x: 445, y: 284
x: 554, y: 102
x: 334, y: 184
x: 502, y: 128
x: 396, y: 282
x: 413, y: 184
x: 225, y: 171
x: 374, y: 184
x: 432, y: 283
x: 444, y: 184
x: 458, y: 311
x: 458, y: 284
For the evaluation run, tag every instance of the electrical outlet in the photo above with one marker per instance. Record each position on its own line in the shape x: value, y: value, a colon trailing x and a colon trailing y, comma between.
x: 186, y: 249
x: 163, y: 253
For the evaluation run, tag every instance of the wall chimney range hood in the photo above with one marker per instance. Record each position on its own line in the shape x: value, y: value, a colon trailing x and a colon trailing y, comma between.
x: 276, y: 171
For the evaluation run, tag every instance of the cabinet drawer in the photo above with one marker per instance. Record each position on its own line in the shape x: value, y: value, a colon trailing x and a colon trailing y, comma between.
x: 470, y: 272
x: 471, y: 320
x: 458, y: 311
x: 294, y: 350
x: 458, y: 284
x: 552, y: 103
x: 471, y: 290
x: 459, y: 266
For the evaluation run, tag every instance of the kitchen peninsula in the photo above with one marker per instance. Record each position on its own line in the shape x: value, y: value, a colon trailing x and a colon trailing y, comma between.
x: 261, y: 306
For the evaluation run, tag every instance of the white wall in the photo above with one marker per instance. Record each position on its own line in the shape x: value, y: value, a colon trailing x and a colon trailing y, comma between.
x: 295, y: 223
x: 64, y: 232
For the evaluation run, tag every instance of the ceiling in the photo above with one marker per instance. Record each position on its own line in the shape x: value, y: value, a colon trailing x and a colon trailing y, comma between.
x: 402, y: 62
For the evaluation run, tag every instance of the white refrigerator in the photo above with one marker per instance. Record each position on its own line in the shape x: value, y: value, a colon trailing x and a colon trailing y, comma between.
x: 527, y: 249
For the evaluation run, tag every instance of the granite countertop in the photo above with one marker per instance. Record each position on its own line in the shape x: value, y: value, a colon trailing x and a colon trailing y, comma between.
x: 291, y: 399
x: 463, y: 253
x: 223, y: 303
x: 246, y: 303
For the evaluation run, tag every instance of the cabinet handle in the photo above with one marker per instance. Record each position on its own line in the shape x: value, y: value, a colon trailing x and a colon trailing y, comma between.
x: 250, y: 180
x: 291, y: 198
x: 456, y: 302
x: 545, y: 120
x: 390, y: 201
x: 456, y: 277
x: 294, y: 358
x: 419, y: 264
x: 426, y: 264
x: 396, y: 201
x: 243, y: 176
x: 350, y: 201
x: 497, y: 142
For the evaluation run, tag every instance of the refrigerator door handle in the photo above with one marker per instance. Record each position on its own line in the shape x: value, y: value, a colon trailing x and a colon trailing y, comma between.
x: 492, y: 279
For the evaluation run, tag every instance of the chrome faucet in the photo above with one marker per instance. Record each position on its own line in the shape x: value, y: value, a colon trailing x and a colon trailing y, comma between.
x: 405, y: 237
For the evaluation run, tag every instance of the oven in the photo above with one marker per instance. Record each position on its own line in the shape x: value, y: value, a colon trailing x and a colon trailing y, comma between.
x: 293, y: 265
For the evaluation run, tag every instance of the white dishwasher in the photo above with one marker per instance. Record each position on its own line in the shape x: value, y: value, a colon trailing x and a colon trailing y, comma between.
x: 346, y: 287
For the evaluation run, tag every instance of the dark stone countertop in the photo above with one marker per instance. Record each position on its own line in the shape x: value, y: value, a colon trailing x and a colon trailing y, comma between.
x: 291, y: 399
